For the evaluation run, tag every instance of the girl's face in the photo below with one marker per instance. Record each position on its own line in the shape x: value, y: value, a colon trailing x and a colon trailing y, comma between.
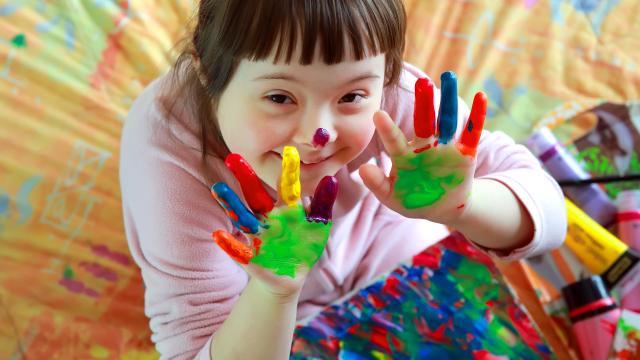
x: 267, y: 106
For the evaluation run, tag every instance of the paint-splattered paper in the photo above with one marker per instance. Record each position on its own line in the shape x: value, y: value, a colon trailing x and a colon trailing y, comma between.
x: 450, y: 302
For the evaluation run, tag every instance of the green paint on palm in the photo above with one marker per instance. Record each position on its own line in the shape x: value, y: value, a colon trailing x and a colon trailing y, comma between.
x: 424, y: 178
x: 291, y: 241
x: 19, y: 41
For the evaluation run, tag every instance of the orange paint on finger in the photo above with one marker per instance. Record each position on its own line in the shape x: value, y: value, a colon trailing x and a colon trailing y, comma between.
x: 470, y: 136
x: 234, y: 248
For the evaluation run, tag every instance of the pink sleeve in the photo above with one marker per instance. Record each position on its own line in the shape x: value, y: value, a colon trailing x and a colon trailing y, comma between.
x: 500, y: 159
x: 190, y: 284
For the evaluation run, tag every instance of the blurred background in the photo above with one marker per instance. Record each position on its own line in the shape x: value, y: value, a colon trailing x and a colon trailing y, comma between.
x: 70, y: 69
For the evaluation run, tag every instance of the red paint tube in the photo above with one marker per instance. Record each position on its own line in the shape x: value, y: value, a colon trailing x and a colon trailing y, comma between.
x: 594, y: 316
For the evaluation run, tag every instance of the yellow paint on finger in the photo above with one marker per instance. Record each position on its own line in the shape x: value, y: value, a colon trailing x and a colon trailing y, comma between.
x: 290, y: 180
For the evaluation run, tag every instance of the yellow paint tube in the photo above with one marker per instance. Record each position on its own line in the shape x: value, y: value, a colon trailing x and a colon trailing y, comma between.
x: 600, y: 251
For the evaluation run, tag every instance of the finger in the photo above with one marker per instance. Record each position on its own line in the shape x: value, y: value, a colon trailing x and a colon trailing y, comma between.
x: 290, y: 180
x: 375, y: 179
x: 473, y: 129
x: 237, y: 250
x: 259, y: 200
x: 424, y: 114
x: 323, y: 199
x: 392, y: 137
x: 240, y: 216
x: 448, y: 113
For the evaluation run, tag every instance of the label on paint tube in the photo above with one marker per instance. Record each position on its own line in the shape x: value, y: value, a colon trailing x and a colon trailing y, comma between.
x: 599, y: 250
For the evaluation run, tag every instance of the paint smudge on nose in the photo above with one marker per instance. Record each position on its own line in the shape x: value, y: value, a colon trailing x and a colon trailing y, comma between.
x: 321, y: 137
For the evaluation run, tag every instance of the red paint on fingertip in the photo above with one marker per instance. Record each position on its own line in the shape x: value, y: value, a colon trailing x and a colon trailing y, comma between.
x: 257, y: 197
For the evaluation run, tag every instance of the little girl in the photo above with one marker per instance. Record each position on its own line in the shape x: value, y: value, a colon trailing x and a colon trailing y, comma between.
x: 262, y: 80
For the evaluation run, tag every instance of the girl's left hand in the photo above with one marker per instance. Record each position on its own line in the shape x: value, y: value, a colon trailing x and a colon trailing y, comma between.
x: 432, y: 175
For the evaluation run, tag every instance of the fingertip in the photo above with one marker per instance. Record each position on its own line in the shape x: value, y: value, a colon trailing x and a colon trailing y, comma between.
x: 232, y: 247
x: 473, y: 130
x: 448, y: 76
x: 381, y: 118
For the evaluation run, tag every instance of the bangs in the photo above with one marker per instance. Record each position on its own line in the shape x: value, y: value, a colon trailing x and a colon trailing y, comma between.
x: 257, y: 29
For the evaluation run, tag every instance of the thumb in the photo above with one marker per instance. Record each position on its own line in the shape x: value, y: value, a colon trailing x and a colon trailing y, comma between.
x: 375, y: 179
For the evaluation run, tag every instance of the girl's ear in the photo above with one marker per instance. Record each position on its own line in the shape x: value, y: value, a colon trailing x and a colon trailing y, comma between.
x: 195, y: 60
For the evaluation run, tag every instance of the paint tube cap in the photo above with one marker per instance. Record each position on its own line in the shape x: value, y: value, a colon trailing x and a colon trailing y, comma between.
x: 584, y: 292
x: 541, y: 141
x: 628, y: 200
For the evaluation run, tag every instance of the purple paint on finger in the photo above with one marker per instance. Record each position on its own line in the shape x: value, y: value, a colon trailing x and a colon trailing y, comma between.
x: 321, y: 137
x: 323, y: 199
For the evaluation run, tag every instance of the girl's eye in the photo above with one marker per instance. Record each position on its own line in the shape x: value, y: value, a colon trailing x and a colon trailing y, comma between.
x: 280, y: 99
x: 352, y: 98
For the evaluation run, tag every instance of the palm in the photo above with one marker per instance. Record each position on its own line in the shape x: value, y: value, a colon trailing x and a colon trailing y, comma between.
x: 285, y: 242
x: 432, y: 175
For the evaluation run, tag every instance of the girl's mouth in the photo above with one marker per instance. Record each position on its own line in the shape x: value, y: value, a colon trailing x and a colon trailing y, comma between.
x: 310, y: 164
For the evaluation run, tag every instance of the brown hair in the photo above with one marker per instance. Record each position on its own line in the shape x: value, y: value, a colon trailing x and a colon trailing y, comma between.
x: 227, y: 31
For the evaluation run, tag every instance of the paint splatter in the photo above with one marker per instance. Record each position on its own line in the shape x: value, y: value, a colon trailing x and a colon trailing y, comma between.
x: 418, y: 185
x: 99, y: 271
x: 19, y: 41
x: 291, y: 241
x: 449, y: 304
x: 321, y: 137
x: 103, y: 251
x: 78, y: 287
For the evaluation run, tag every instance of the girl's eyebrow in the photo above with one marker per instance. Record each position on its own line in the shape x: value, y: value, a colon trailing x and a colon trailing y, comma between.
x: 287, y: 77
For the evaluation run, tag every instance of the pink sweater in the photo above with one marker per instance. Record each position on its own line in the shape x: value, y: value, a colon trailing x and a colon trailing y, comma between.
x: 192, y: 285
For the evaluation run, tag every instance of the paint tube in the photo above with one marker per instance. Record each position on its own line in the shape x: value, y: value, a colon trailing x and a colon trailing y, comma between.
x: 563, y: 166
x: 601, y: 252
x: 594, y: 316
x: 628, y: 217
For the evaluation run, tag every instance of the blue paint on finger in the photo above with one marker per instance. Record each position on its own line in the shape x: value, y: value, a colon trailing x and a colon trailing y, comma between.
x: 448, y: 113
x: 239, y: 214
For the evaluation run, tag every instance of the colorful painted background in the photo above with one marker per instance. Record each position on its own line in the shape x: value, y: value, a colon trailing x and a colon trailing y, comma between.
x: 69, y: 70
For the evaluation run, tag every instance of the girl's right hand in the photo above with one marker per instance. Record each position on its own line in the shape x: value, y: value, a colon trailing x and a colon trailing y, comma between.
x: 285, y: 242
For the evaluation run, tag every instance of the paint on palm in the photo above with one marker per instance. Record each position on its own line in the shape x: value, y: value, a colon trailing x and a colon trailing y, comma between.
x: 427, y: 173
x: 291, y: 241
x: 450, y: 303
x: 424, y: 178
x: 284, y: 239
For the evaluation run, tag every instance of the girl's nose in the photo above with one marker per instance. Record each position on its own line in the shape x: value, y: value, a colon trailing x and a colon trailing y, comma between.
x: 315, y: 132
